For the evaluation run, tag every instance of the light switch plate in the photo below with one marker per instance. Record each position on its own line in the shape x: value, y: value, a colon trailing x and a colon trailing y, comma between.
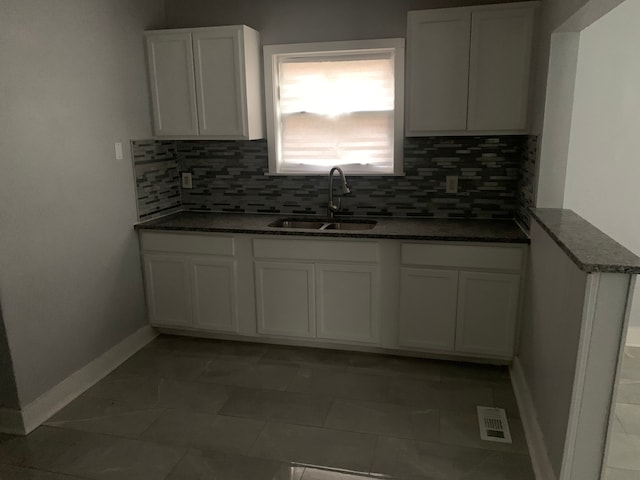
x: 186, y: 180
x: 118, y: 149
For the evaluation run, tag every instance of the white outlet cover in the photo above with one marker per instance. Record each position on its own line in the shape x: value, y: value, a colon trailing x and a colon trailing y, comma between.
x: 186, y: 180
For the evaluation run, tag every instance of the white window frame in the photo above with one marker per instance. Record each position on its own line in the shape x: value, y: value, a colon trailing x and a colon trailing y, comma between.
x: 272, y: 55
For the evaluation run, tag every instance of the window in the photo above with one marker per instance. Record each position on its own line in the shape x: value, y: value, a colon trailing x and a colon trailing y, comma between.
x: 337, y: 103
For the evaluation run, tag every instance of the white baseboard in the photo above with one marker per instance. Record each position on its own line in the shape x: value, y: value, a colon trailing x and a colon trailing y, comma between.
x: 535, y: 440
x: 50, y: 402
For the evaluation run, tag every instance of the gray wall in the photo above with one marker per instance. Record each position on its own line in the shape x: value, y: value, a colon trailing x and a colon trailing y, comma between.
x: 72, y: 83
x: 292, y: 21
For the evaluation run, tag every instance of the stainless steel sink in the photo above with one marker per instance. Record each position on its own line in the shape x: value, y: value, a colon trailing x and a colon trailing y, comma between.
x: 355, y: 225
x: 323, y: 225
x: 293, y: 223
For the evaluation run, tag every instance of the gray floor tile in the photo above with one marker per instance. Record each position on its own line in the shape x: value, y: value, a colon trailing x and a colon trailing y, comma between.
x: 395, y: 366
x: 410, y: 459
x: 474, y: 373
x: 503, y: 397
x: 619, y: 474
x: 309, y: 357
x: 190, y: 396
x: 315, y: 446
x: 263, y: 374
x: 629, y: 391
x: 427, y: 394
x: 102, y: 457
x: 103, y: 415
x: 286, y: 407
x: 462, y: 429
x: 203, y: 431
x: 502, y: 466
x: 223, y: 466
x: 40, y: 448
x: 4, y: 437
x: 341, y: 384
x: 384, y: 419
x: 162, y: 364
x: 10, y: 472
x: 629, y: 416
x: 211, y: 348
x: 623, y: 451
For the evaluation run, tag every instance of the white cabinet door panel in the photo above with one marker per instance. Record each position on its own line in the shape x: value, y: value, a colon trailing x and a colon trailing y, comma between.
x: 348, y: 302
x: 173, y: 95
x: 167, y: 285
x: 213, y: 283
x: 428, y: 304
x: 285, y: 296
x: 487, y: 311
x: 438, y: 70
x: 499, y: 69
x: 220, y: 78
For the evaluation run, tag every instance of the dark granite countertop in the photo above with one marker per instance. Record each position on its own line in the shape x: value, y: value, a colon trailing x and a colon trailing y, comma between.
x: 589, y: 248
x: 463, y: 230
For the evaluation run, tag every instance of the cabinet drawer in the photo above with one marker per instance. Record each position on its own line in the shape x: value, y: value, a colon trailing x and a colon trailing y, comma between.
x: 462, y: 256
x: 320, y: 250
x: 180, y: 243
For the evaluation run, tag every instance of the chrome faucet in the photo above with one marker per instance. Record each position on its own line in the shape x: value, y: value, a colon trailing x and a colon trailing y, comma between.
x: 332, y: 208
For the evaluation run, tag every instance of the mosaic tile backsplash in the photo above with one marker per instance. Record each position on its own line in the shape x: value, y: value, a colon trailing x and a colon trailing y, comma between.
x: 155, y: 167
x: 526, y: 188
x: 229, y: 176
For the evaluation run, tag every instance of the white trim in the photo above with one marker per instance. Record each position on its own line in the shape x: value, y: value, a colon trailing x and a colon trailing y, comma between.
x: 535, y: 440
x: 47, y: 404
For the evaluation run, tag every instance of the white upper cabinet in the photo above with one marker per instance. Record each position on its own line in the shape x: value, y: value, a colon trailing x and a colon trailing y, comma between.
x: 438, y: 69
x: 205, y: 82
x: 172, y: 82
x: 468, y: 69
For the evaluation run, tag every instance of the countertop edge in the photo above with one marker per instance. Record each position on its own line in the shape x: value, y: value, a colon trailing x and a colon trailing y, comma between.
x: 588, y: 247
x: 156, y: 225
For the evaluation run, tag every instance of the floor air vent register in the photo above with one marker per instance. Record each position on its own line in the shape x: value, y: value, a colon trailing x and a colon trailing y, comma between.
x: 494, y: 426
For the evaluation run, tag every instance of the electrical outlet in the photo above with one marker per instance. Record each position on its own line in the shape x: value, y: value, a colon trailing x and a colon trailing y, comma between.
x: 452, y: 184
x: 186, y: 180
x: 118, y: 149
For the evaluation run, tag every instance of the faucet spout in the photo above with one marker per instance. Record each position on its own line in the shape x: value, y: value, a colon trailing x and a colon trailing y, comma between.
x: 333, y: 208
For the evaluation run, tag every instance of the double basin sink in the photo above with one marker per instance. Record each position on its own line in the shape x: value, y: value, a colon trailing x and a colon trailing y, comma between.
x: 312, y: 224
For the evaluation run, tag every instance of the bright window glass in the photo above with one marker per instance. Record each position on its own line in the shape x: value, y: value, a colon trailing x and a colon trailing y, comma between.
x: 335, y: 107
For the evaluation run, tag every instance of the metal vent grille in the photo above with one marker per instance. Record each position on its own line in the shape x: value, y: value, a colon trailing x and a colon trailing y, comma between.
x: 494, y: 426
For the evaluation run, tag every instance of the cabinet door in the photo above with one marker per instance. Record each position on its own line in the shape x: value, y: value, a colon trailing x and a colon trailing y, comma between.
x: 428, y: 304
x: 499, y: 69
x: 487, y: 312
x: 172, y: 83
x: 285, y: 296
x: 167, y: 286
x: 438, y: 70
x: 220, y: 78
x: 213, y: 284
x: 347, y: 297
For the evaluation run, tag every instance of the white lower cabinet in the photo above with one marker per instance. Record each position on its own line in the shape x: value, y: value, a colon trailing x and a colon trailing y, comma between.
x: 167, y: 286
x: 446, y: 298
x: 428, y: 303
x: 346, y: 303
x: 285, y: 299
x: 213, y: 289
x: 190, y: 281
x: 487, y: 311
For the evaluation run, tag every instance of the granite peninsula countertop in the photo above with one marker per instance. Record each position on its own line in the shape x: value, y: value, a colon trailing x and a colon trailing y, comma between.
x: 590, y: 249
x: 454, y: 230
